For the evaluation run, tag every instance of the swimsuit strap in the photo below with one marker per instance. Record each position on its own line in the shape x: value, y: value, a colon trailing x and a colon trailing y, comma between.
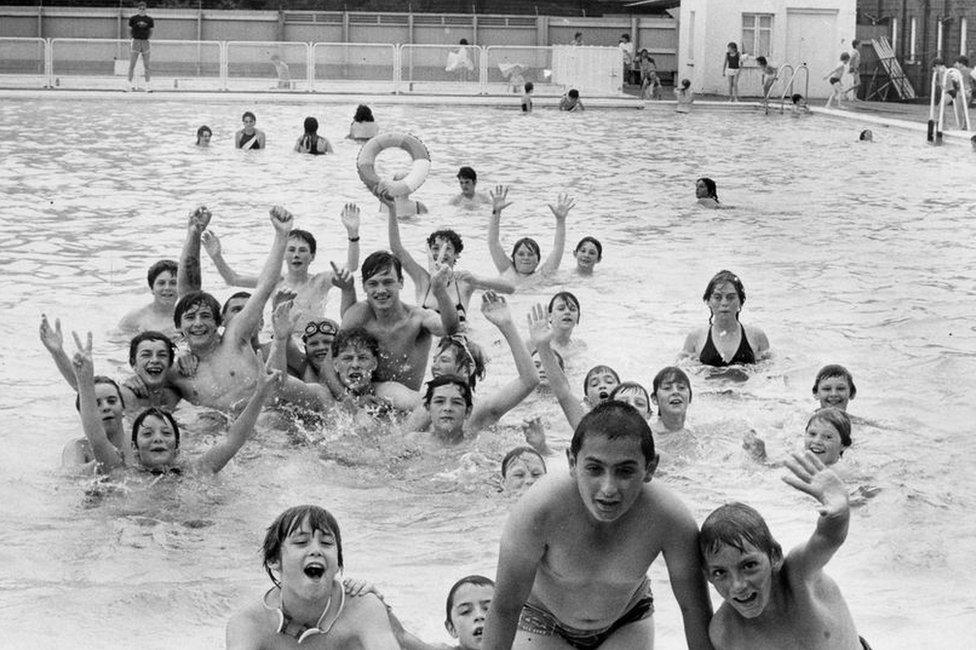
x: 284, y: 620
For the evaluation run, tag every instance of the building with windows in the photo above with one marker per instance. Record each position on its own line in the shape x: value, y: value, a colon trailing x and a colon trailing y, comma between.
x: 786, y: 32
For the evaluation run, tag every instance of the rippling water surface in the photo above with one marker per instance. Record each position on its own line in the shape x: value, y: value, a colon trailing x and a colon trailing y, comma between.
x: 850, y: 253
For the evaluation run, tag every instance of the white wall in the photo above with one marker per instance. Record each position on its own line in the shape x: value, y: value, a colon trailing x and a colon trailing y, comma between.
x: 811, y: 31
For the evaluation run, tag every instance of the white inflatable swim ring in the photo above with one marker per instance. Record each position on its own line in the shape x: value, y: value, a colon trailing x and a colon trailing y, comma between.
x: 419, y: 168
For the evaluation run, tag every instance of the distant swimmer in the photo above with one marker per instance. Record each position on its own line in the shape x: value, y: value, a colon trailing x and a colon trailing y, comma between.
x: 157, y: 315
x: 772, y: 601
x: 865, y: 136
x: 588, y: 253
x: 249, y: 137
x: 726, y: 341
x: 571, y: 101
x: 302, y: 553
x: 706, y: 191
x: 155, y: 433
x: 469, y: 197
x: 404, y: 331
x: 828, y: 435
x: 363, y: 126
x: 800, y: 106
x: 834, y: 386
x: 311, y: 142
x: 576, y: 548
x: 204, y: 134
x: 526, y: 255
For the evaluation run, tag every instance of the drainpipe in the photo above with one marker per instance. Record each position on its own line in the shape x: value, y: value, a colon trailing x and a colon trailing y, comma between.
x: 925, y: 45
x: 905, y: 28
x: 40, y: 18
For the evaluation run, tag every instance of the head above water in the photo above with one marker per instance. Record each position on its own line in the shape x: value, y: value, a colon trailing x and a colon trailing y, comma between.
x: 165, y: 416
x: 150, y: 335
x: 599, y: 370
x: 669, y: 375
x: 449, y: 380
x: 632, y: 393
x: 866, y: 136
x: 595, y: 242
x: 530, y: 244
x: 477, y: 580
x: 379, y: 262
x: 468, y: 355
x: 468, y: 173
x: 288, y: 522
x: 159, y: 267
x: 204, y: 131
x: 613, y: 420
x: 196, y: 300
x: 569, y: 299
x: 447, y: 235
x: 517, y: 453
x: 305, y: 236
x: 837, y: 419
x: 722, y: 277
x: 238, y: 295
x: 363, y: 114
x: 102, y: 379
x: 835, y: 370
x: 311, y: 126
x: 354, y: 338
x: 463, y: 41
x: 736, y: 524
x: 796, y: 98
x: 711, y: 188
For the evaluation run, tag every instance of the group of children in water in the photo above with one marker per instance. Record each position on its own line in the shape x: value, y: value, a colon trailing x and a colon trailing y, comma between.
x: 577, y: 546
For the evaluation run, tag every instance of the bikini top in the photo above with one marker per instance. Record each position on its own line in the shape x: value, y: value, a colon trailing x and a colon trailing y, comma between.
x: 459, y: 306
x: 743, y: 355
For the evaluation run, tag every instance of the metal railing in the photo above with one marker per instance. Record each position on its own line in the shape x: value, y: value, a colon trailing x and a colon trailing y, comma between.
x: 26, y: 59
x: 788, y: 86
x: 935, y: 127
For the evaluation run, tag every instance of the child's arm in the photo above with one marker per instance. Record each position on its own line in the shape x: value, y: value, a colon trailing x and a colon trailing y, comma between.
x: 446, y: 322
x: 563, y: 205
x: 686, y: 577
x: 188, y: 276
x: 107, y: 457
x: 350, y: 219
x: 810, y: 475
x: 53, y: 340
x: 541, y: 334
x: 499, y: 201
x: 416, y: 272
x: 211, y: 244
x: 498, y: 285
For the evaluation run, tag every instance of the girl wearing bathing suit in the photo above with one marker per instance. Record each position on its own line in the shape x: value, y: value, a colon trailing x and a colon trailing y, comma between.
x: 564, y: 316
x: 443, y: 246
x: 730, y: 69
x: 363, y: 125
x: 249, y: 137
x: 312, y: 142
x: 726, y: 341
x: 706, y: 192
x: 526, y: 254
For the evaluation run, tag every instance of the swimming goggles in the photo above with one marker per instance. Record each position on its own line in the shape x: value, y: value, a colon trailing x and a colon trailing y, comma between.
x: 327, y: 327
x: 303, y: 632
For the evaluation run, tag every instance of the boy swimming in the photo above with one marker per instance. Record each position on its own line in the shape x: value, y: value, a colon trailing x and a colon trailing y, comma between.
x: 828, y: 435
x: 576, y: 548
x: 772, y: 602
x: 571, y: 101
x: 834, y: 386
x: 157, y: 315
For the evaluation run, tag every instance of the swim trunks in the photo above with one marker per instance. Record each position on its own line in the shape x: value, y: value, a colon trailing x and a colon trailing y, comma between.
x: 710, y: 356
x: 536, y: 619
x: 140, y: 45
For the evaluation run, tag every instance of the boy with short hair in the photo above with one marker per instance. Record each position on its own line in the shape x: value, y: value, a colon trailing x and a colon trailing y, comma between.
x: 771, y: 601
x: 571, y: 101
x: 527, y: 97
x: 835, y: 76
x: 576, y: 548
x: 157, y: 315
x: 469, y: 196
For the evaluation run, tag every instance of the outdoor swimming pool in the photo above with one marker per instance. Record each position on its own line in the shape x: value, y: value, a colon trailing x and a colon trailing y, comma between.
x: 850, y: 253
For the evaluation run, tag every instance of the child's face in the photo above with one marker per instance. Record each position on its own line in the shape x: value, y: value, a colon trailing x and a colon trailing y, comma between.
x: 468, y: 614
x: 672, y: 396
x: 156, y: 443
x: 743, y: 579
x: 636, y: 398
x: 610, y: 475
x: 824, y: 441
x: 523, y: 472
x: 309, y: 562
x: 834, y: 391
x: 599, y: 385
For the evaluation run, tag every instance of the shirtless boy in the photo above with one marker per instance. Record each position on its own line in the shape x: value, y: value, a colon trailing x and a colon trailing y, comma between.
x: 403, y: 331
x: 355, y: 356
x: 576, y: 549
x: 772, y: 602
x: 157, y: 315
x: 469, y: 196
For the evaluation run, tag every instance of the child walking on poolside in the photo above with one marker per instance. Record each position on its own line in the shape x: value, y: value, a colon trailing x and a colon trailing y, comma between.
x: 835, y: 76
x: 769, y: 76
x: 730, y: 69
x: 772, y: 601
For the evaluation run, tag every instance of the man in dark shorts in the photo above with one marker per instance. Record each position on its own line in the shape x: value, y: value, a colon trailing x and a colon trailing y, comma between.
x: 141, y: 27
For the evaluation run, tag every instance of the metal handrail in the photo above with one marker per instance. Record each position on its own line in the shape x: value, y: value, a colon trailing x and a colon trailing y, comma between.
x: 788, y: 87
x: 935, y: 127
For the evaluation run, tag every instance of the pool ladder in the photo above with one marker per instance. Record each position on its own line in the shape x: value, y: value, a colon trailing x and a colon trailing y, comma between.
x: 788, y: 88
x: 934, y: 134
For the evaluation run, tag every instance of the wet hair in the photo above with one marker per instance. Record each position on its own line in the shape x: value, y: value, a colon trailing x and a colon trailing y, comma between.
x: 196, y: 299
x: 531, y: 243
x: 203, y: 129
x: 450, y: 236
x: 378, y: 262
x: 469, y: 173
x: 162, y: 415
x: 311, y: 126
x: 835, y: 370
x: 160, y: 267
x: 559, y: 358
x: 517, y: 453
x: 735, y: 524
x: 463, y: 41
x: 595, y: 369
x: 102, y: 379
x: 595, y: 242
x: 837, y: 419
x: 844, y: 56
x: 686, y: 83
x: 468, y: 354
x: 150, y: 335
x: 733, y: 45
x: 761, y: 60
x: 356, y: 337
x: 796, y: 98
x: 288, y: 522
x: 614, y: 420
x: 865, y: 135
x: 631, y: 385
x: 973, y: 139
x: 573, y: 93
x: 722, y: 277
x: 363, y: 114
x: 477, y: 580
x: 710, y: 187
x: 248, y: 114
x: 569, y: 298
x: 529, y: 86
x: 304, y: 235
x: 445, y: 380
x: 671, y: 373
x: 963, y: 59
x: 239, y: 294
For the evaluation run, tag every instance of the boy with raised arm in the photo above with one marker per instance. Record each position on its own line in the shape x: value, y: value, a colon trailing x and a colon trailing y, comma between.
x: 311, y: 289
x: 403, y: 331
x: 771, y: 602
x: 572, y: 569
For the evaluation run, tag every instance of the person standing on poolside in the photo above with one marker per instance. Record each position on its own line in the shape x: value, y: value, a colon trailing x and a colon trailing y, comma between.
x: 730, y: 69
x: 854, y: 67
x: 140, y: 26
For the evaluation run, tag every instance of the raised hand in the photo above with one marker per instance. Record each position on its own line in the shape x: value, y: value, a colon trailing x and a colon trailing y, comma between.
x: 382, y: 192
x: 350, y: 219
x: 268, y: 380
x: 283, y: 295
x: 211, y: 243
x: 495, y: 309
x: 341, y: 277
x: 534, y: 432
x: 563, y: 205
x: 499, y: 198
x: 283, y: 319
x: 199, y: 219
x: 52, y: 339
x: 281, y: 219
x: 82, y: 361
x: 187, y: 364
x: 810, y: 475
x: 442, y: 275
x: 540, y: 330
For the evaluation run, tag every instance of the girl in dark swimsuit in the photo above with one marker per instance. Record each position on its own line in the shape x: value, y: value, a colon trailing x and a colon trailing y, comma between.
x: 312, y: 142
x: 725, y: 296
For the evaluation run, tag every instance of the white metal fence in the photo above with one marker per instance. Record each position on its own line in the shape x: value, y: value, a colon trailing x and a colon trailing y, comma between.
x: 310, y: 67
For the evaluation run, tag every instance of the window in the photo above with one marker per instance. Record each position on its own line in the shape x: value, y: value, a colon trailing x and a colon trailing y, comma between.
x: 691, y: 35
x: 757, y: 34
x: 912, y: 32
x: 962, y: 36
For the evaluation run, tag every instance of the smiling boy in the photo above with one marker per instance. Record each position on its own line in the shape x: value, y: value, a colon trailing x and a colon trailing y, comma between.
x: 772, y: 602
x: 576, y: 548
x: 157, y: 315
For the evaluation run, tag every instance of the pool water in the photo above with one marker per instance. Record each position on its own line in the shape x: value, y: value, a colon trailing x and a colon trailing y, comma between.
x: 850, y: 253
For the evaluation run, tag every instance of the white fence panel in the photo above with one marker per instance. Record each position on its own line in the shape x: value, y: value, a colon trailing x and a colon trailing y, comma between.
x: 267, y: 65
x: 594, y: 71
x: 354, y: 67
x: 441, y: 69
x: 23, y: 62
x: 509, y: 67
